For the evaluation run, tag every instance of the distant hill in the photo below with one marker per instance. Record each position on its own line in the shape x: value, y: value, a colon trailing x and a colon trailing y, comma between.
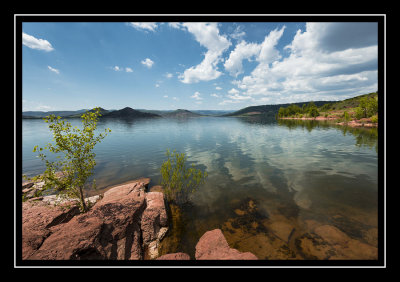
x: 40, y: 114
x: 351, y: 102
x: 212, y: 112
x: 157, y: 112
x: 181, y: 113
x: 269, y: 110
x: 128, y: 113
x: 78, y: 115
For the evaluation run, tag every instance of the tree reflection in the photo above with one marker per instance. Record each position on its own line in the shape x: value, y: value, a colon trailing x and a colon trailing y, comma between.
x: 365, y: 137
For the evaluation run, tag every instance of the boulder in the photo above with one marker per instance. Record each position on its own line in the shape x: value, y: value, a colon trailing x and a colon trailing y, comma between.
x: 110, y: 230
x: 213, y: 246
x: 38, y: 220
x: 154, y: 222
x: 154, y: 216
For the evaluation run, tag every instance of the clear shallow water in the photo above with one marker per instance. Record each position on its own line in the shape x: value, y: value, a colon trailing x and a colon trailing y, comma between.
x: 274, y: 188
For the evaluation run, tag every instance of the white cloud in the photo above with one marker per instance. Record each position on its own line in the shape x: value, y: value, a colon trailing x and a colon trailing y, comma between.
x: 43, y: 108
x: 35, y: 106
x: 168, y: 75
x: 175, y: 98
x: 151, y: 26
x: 176, y: 25
x: 34, y: 43
x: 238, y: 33
x: 242, y: 51
x: 215, y: 95
x: 117, y: 68
x: 313, y: 70
x: 233, y: 91
x: 53, y: 70
x: 165, y: 96
x: 157, y: 85
x: 218, y: 88
x: 196, y: 96
x: 207, y: 34
x: 128, y: 70
x: 147, y: 62
x: 238, y: 97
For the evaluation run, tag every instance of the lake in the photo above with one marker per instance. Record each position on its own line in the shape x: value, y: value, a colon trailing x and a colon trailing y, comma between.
x: 279, y: 189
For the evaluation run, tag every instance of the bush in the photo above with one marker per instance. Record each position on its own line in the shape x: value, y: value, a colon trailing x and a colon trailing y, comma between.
x: 346, y: 116
x: 178, y: 179
x: 313, y: 112
x: 359, y: 113
x: 374, y: 119
x: 367, y: 107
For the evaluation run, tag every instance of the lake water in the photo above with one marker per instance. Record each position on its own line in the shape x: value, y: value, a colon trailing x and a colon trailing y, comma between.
x: 281, y: 190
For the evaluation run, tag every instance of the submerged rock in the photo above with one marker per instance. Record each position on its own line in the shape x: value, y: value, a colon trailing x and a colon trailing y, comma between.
x: 213, y: 246
x: 328, y: 242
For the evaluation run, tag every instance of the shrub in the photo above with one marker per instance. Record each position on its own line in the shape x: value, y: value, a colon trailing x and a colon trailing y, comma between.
x: 313, y: 112
x: 346, y: 116
x: 374, y: 119
x: 359, y: 113
x: 178, y: 179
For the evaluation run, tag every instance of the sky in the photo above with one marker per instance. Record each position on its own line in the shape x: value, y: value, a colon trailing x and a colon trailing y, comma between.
x: 194, y: 65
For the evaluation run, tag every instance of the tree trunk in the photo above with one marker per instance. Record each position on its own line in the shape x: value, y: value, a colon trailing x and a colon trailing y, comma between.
x: 82, y: 200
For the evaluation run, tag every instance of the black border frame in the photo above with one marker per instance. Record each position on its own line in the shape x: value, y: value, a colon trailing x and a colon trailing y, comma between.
x: 380, y: 19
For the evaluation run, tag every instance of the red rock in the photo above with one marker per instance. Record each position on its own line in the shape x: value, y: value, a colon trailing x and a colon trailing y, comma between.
x: 37, y: 220
x: 110, y: 230
x: 213, y: 246
x: 175, y: 256
x: 154, y: 217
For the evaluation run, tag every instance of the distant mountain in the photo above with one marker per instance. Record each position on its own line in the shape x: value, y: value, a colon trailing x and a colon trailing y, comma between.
x: 40, y: 114
x: 78, y: 115
x: 212, y: 112
x: 157, y: 112
x: 269, y: 110
x: 128, y: 113
x: 181, y: 113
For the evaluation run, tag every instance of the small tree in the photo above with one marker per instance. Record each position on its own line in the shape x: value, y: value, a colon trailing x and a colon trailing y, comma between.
x: 313, y: 112
x: 79, y: 159
x: 178, y: 179
x: 367, y: 107
x: 346, y: 117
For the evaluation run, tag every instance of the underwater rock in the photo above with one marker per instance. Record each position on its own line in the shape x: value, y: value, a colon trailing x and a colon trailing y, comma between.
x: 213, y: 246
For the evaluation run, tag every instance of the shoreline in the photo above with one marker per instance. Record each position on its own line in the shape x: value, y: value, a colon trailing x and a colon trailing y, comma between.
x: 352, y: 123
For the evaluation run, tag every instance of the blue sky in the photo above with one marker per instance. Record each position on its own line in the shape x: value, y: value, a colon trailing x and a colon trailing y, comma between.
x: 194, y: 65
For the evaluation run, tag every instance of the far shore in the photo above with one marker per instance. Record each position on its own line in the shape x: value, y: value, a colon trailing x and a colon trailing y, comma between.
x: 353, y: 123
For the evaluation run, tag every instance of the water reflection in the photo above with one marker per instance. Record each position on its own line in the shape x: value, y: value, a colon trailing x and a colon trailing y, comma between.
x: 364, y: 136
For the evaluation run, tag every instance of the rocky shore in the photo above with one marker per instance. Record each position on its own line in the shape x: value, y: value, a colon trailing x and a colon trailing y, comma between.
x: 127, y: 222
x: 353, y: 123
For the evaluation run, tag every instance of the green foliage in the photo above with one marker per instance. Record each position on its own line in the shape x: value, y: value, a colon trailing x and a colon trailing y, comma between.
x: 178, y: 179
x: 346, y: 116
x: 76, y: 145
x: 325, y: 107
x: 374, y: 118
x: 313, y: 112
x: 295, y: 111
x: 367, y: 107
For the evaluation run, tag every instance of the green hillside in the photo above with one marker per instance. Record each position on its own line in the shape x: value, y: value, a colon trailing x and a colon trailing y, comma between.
x: 268, y: 110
